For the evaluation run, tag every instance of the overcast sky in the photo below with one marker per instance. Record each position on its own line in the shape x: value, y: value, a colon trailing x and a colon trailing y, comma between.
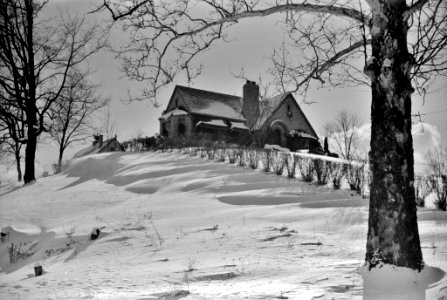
x: 251, y: 45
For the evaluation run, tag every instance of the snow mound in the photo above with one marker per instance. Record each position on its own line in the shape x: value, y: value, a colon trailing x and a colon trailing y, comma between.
x: 181, y: 227
x: 391, y: 282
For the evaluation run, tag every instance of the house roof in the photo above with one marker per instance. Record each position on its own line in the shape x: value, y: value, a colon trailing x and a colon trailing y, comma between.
x: 175, y: 112
x: 274, y: 101
x: 213, y: 123
x: 240, y: 126
x: 211, y: 103
x: 224, y: 106
x: 96, y: 149
x: 268, y: 105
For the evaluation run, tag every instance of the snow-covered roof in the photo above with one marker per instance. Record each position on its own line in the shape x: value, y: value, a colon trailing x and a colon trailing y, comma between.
x: 301, y: 133
x: 175, y: 112
x: 97, y: 149
x: 237, y: 125
x: 211, y: 103
x: 218, y: 109
x: 216, y: 123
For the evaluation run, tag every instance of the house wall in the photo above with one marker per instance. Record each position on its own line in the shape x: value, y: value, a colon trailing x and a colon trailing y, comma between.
x: 286, y: 117
x: 174, y: 124
x: 289, y: 113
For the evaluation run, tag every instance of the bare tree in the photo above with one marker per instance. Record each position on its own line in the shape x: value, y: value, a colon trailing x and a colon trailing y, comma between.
x: 108, y: 126
x: 343, y: 132
x: 71, y: 113
x: 36, y: 56
x: 12, y: 147
x: 167, y: 37
x: 437, y: 169
x: 12, y: 134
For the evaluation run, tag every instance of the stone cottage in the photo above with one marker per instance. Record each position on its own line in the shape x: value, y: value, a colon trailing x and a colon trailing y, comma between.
x: 279, y: 120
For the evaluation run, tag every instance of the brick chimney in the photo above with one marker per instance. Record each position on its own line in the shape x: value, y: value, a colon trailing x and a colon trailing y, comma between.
x: 250, y: 103
x: 98, y: 139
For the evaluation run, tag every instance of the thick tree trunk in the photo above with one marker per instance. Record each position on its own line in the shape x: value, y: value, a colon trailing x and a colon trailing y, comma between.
x: 18, y: 167
x: 393, y: 236
x: 31, y: 110
x: 30, y: 153
x: 59, y: 161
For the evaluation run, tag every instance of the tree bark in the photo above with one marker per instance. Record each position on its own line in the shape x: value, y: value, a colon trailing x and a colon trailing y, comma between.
x: 18, y: 167
x: 393, y: 236
x: 30, y: 154
x: 61, y: 155
x: 31, y: 110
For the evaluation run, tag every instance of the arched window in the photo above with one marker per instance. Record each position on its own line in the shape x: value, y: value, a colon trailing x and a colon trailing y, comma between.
x: 181, y: 129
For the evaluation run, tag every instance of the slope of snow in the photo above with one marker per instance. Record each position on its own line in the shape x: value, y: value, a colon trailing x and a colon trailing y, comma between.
x: 176, y: 227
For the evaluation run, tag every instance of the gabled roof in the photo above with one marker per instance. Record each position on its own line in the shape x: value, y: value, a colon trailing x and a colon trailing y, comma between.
x: 275, y: 101
x: 270, y: 105
x: 175, y: 112
x: 213, y: 123
x: 209, y: 103
x: 96, y: 149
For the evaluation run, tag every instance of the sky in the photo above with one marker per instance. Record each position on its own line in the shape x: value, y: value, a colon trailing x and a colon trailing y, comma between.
x: 251, y: 44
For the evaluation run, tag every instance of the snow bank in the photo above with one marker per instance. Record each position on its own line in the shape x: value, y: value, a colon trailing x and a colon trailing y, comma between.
x: 175, y: 225
x: 390, y: 282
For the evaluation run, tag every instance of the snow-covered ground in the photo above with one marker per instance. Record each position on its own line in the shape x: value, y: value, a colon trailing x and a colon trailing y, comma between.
x: 180, y: 227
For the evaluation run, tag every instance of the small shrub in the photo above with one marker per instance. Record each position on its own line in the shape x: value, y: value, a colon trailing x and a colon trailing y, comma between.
x: 253, y: 159
x: 267, y: 159
x: 149, y: 218
x: 279, y: 162
x: 18, y: 252
x: 355, y: 176
x: 242, y: 157
x: 291, y: 166
x: 193, y: 151
x: 211, y: 153
x: 422, y: 188
x: 306, y: 169
x: 232, y: 156
x: 440, y: 189
x: 203, y: 152
x: 322, y: 171
x: 222, y: 155
x: 337, y: 172
x: 69, y: 244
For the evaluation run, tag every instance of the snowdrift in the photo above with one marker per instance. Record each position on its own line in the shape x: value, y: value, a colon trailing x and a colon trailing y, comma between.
x: 175, y: 226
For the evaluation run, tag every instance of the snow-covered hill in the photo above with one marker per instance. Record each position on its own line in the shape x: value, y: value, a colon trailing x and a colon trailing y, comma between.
x: 173, y: 227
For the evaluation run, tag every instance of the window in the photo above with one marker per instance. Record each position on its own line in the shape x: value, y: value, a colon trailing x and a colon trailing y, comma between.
x: 289, y: 111
x: 181, y: 129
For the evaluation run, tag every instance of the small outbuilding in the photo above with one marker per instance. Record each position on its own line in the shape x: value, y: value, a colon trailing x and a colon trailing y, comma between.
x: 100, y: 146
